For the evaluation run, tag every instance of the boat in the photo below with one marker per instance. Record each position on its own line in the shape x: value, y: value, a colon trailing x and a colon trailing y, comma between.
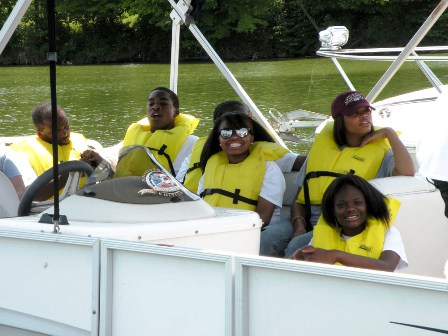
x: 145, y: 256
x: 403, y: 112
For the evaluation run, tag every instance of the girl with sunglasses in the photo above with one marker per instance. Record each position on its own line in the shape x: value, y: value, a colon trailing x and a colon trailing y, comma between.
x: 238, y: 166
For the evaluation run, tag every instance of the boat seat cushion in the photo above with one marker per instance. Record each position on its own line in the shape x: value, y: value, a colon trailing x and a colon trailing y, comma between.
x: 421, y: 222
x: 9, y: 201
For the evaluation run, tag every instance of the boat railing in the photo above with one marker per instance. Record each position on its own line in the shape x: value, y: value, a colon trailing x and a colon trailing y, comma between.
x: 366, y: 55
x: 97, y: 286
x: 363, y: 54
x: 333, y: 38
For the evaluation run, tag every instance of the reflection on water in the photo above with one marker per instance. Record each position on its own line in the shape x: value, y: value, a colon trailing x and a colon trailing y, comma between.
x: 102, y: 101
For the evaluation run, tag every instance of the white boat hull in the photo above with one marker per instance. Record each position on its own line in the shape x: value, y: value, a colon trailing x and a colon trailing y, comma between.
x: 94, y: 286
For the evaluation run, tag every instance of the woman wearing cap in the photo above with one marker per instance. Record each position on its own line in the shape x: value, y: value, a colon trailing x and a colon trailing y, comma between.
x: 239, y: 171
x: 349, y: 144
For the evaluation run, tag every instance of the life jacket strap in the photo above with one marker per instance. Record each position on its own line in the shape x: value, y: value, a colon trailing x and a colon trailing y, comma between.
x: 189, y: 170
x: 161, y: 151
x: 193, y: 167
x: 234, y: 195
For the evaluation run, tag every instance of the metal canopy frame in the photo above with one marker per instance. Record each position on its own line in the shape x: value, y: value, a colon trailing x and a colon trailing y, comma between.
x: 408, y: 53
x: 178, y: 16
x: 12, y: 22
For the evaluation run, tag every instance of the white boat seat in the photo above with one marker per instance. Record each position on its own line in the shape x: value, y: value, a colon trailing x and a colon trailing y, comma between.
x: 9, y: 201
x: 421, y: 222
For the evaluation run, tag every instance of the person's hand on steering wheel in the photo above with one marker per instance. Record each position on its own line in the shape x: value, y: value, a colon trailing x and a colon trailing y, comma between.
x: 91, y: 157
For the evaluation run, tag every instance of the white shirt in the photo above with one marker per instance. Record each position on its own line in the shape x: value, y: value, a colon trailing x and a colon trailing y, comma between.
x: 286, y: 162
x: 432, y: 144
x: 393, y: 242
x: 183, y: 169
x: 8, y: 162
x: 184, y: 153
x: 25, y: 168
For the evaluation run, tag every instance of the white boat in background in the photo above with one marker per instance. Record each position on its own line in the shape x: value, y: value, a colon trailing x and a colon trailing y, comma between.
x: 166, y: 263
x: 288, y: 122
x: 405, y: 112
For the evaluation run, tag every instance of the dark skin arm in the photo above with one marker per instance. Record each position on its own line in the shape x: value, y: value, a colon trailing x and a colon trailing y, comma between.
x: 297, y: 217
x: 403, y: 161
x: 19, y: 186
x: 46, y: 192
x: 91, y: 157
x: 265, y: 209
x: 388, y: 260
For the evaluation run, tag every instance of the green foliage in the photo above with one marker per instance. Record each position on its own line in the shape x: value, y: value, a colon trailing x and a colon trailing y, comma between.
x: 105, y: 31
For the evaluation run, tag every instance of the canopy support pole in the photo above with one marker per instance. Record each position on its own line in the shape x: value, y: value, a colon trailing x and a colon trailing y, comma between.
x: 12, y: 22
x: 178, y: 14
x: 413, y: 43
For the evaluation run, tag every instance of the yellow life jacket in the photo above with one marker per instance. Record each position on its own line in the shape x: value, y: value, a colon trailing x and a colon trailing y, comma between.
x: 165, y: 144
x: 325, y: 156
x: 237, y: 185
x: 135, y: 163
x: 40, y: 152
x: 369, y: 243
x: 271, y: 152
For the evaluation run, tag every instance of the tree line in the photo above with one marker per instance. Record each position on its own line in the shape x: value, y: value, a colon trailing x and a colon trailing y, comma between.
x: 121, y: 31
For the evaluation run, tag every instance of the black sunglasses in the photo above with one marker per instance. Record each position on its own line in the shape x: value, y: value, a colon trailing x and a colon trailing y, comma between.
x: 240, y: 133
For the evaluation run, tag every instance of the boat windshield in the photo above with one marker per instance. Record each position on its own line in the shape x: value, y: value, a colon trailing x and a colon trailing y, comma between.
x: 138, y: 179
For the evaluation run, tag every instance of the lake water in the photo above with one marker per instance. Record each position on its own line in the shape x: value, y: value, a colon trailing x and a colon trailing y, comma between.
x: 102, y: 101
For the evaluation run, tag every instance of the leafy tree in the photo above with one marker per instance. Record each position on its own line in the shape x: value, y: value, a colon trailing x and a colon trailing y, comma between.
x: 105, y: 31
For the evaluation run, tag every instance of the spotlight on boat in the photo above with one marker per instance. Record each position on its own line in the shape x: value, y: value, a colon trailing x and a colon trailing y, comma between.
x: 333, y: 38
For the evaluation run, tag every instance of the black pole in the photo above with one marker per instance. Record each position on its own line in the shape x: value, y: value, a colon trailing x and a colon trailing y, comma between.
x: 52, y: 58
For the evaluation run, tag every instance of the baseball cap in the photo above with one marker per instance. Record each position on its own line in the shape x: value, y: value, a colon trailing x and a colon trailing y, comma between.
x: 347, y: 103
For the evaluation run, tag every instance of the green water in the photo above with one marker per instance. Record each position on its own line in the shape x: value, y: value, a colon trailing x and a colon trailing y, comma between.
x: 102, y: 101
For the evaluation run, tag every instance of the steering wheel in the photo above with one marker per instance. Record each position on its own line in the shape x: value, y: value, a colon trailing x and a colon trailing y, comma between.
x: 74, y: 168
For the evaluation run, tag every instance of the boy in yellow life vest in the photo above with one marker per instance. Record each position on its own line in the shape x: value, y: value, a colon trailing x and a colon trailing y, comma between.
x: 36, y: 153
x: 356, y: 228
x: 164, y: 130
